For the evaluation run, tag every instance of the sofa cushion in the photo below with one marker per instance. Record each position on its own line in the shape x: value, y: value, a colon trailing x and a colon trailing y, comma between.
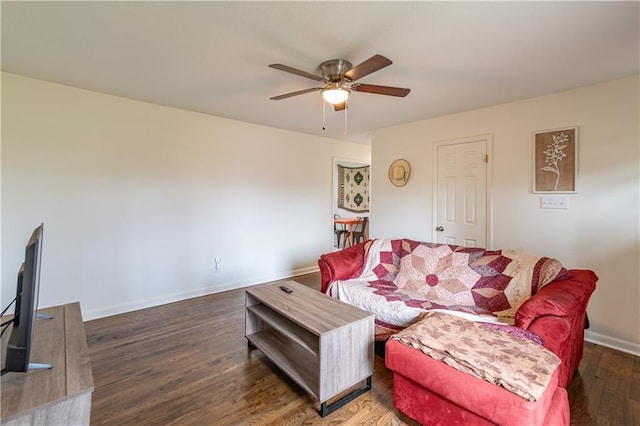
x: 510, y: 361
x: 457, y: 393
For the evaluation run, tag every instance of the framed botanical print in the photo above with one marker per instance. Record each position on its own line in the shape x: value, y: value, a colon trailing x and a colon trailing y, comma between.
x: 555, y: 161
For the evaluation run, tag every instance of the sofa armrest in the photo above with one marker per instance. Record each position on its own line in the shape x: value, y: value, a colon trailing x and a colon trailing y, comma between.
x: 562, y: 298
x: 343, y: 264
x: 560, y: 337
x: 554, y: 331
x: 557, y: 314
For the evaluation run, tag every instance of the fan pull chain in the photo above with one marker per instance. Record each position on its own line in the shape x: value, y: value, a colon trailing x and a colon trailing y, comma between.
x: 346, y: 110
x: 324, y: 115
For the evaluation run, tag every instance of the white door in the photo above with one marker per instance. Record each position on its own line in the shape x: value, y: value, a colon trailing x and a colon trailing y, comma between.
x: 461, y: 193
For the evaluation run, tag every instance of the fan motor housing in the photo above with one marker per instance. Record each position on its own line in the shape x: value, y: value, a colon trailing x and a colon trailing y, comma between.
x: 334, y: 69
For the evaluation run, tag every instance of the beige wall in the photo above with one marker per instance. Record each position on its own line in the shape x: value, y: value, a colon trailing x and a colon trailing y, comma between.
x: 600, y: 230
x: 138, y: 199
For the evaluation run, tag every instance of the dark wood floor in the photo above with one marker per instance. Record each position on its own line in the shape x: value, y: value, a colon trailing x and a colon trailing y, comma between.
x: 187, y: 363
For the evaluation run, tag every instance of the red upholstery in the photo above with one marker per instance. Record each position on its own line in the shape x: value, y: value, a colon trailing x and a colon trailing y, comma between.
x: 343, y: 264
x: 433, y: 393
x: 561, y: 299
x: 557, y: 314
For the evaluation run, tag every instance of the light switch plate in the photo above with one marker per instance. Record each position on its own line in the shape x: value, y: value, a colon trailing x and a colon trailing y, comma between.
x: 554, y: 202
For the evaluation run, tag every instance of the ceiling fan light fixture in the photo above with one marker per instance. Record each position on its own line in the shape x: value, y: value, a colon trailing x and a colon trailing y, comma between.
x: 334, y: 93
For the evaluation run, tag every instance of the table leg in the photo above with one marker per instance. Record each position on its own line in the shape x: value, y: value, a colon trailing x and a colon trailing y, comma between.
x: 328, y: 409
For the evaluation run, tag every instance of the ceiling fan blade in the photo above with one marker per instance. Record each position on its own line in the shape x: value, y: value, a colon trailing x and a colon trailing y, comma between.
x: 373, y: 64
x: 340, y: 107
x: 381, y: 90
x: 296, y: 71
x: 299, y: 92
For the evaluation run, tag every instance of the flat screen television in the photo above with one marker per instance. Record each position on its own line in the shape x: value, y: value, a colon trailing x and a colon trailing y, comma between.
x: 27, y: 290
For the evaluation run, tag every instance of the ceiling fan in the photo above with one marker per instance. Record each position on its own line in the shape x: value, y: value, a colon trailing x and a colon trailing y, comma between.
x: 339, y: 76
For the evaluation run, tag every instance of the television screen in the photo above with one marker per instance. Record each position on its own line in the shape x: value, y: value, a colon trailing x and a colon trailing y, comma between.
x: 27, y: 289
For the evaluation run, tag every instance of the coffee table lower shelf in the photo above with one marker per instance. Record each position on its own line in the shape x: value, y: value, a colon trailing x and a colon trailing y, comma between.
x: 289, y: 368
x: 286, y: 356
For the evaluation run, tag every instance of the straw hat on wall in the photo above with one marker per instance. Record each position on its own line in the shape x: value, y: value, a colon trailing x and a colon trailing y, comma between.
x: 399, y: 172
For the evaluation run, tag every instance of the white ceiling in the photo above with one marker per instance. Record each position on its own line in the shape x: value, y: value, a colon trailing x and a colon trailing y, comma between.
x: 213, y: 57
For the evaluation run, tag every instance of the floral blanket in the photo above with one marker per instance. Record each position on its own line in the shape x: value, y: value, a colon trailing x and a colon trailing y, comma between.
x: 402, y: 279
x: 515, y: 363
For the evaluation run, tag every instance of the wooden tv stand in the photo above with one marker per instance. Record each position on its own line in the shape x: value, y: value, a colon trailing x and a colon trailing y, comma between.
x: 62, y: 394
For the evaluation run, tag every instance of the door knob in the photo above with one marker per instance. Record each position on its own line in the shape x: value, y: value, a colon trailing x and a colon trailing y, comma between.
x: 439, y: 228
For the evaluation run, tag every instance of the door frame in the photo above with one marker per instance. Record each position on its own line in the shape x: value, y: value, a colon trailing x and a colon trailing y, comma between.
x: 488, y: 139
x: 334, y: 182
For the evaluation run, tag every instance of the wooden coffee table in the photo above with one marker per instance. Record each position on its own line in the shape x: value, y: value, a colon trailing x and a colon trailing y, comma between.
x: 324, y: 345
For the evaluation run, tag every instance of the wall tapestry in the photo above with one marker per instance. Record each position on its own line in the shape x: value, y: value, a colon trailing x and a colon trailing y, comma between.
x: 353, y: 188
x: 555, y: 154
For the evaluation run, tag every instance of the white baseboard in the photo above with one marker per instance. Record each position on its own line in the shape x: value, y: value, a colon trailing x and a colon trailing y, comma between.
x: 612, y: 342
x: 91, y: 314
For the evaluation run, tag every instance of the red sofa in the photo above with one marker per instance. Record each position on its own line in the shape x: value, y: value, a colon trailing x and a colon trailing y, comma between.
x: 431, y: 392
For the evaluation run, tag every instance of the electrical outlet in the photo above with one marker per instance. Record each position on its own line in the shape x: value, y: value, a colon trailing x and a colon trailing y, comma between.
x: 217, y: 261
x: 554, y: 202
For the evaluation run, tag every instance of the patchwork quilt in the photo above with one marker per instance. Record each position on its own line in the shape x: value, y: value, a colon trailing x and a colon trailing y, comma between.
x: 403, y: 279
